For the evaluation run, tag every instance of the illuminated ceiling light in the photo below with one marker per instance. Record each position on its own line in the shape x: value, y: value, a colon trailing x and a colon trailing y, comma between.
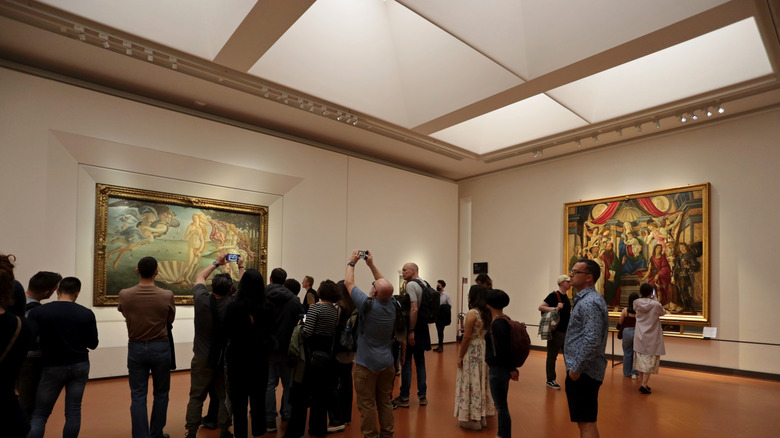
x: 355, y: 122
x: 683, y: 119
x: 579, y: 143
x: 694, y: 116
x: 709, y: 112
x: 721, y: 110
x: 339, y: 116
x: 657, y: 124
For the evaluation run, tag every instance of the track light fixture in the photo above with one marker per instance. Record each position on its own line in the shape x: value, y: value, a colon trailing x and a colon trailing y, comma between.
x: 694, y: 116
x: 354, y: 123
x: 149, y: 55
x: 709, y: 112
x: 721, y: 110
x: 595, y: 139
x: 339, y: 116
x: 579, y: 143
x: 638, y: 127
x: 657, y: 124
x: 620, y: 132
x: 683, y: 118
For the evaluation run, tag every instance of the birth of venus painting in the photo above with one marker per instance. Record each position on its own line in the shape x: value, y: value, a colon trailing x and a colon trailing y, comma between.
x: 184, y: 233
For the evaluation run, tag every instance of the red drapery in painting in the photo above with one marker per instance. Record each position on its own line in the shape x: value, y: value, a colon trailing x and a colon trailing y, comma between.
x: 608, y: 213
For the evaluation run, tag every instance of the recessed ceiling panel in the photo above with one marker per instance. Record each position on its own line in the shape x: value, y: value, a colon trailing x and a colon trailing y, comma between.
x: 438, y: 73
x: 341, y: 51
x: 381, y: 59
x: 527, y: 120
x: 533, y: 38
x: 198, y: 27
x: 721, y: 58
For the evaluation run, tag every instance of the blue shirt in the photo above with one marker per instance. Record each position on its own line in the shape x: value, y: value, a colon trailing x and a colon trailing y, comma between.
x: 586, y: 337
x: 375, y: 335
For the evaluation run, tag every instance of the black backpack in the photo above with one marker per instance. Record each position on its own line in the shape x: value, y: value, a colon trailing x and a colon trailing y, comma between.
x: 428, y: 307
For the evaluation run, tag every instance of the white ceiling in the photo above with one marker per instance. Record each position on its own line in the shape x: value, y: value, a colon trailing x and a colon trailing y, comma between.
x: 484, y: 85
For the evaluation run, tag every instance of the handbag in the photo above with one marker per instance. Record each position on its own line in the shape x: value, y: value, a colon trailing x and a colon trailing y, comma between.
x: 549, y: 322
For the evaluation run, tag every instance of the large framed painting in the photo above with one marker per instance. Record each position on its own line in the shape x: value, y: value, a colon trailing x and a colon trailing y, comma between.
x: 659, y: 237
x: 184, y: 233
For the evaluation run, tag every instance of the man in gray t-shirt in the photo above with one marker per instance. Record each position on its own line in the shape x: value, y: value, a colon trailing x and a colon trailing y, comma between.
x: 419, y: 340
x: 374, y: 371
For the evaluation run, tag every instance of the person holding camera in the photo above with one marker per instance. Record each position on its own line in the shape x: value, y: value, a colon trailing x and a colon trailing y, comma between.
x: 374, y: 370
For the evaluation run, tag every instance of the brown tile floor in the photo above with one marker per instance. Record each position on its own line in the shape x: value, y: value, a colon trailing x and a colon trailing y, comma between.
x: 683, y: 404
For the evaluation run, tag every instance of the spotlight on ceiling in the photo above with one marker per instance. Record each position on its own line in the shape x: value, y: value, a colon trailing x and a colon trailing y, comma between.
x: 595, y: 139
x: 721, y: 110
x: 657, y: 124
x: 709, y: 112
x: 683, y: 118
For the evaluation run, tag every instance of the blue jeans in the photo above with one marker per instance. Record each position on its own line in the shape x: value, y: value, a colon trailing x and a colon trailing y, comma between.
x: 418, y: 353
x: 499, y: 389
x: 142, y: 358
x: 628, y: 352
x: 278, y: 369
x: 71, y: 377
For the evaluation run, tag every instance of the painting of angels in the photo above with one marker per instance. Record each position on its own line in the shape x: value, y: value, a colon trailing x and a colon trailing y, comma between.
x: 183, y: 233
x: 660, y: 238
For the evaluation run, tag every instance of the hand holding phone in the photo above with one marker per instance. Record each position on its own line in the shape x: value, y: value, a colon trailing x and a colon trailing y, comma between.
x: 362, y: 254
x: 232, y: 257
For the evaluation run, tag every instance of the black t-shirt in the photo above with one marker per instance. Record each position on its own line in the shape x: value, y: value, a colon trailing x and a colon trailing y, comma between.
x: 552, y: 301
x: 499, y: 355
x: 66, y: 330
x: 9, y: 367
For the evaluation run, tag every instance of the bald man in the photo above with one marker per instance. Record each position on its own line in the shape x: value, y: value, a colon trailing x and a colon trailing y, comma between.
x: 374, y: 370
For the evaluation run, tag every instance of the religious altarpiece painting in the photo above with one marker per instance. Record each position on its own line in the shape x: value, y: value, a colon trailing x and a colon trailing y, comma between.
x: 660, y: 238
x: 184, y: 233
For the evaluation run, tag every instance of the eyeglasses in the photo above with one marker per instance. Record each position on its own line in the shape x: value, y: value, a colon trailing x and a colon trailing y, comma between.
x: 573, y: 272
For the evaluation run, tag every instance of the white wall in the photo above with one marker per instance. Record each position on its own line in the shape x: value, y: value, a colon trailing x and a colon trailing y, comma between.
x: 57, y: 141
x: 517, y: 226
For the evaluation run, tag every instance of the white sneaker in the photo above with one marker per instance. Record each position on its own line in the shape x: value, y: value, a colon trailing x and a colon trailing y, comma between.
x: 633, y: 377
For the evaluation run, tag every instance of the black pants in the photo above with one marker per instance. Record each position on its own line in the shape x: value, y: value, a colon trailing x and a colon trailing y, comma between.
x: 247, y: 383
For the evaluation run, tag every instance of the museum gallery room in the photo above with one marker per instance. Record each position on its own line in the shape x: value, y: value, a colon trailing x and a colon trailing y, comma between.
x: 509, y: 136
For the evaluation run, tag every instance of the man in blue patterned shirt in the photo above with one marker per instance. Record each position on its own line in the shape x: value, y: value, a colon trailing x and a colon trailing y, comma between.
x: 586, y: 342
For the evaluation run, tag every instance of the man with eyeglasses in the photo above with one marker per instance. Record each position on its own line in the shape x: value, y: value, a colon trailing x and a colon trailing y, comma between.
x: 586, y: 342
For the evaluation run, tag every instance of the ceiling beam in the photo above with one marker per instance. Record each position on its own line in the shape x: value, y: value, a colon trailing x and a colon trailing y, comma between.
x: 262, y: 27
x: 669, y: 36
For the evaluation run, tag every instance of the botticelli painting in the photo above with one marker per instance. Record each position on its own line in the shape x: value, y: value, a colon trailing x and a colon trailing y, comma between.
x: 184, y: 233
x: 660, y: 238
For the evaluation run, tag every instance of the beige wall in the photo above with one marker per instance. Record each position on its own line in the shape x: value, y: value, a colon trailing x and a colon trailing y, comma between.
x: 517, y: 226
x: 57, y: 141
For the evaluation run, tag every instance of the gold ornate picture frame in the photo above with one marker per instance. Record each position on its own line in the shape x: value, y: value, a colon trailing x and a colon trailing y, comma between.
x: 184, y: 234
x: 659, y: 237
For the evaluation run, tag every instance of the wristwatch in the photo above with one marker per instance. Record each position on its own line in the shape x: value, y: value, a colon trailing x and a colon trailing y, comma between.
x: 351, y: 263
x: 215, y: 263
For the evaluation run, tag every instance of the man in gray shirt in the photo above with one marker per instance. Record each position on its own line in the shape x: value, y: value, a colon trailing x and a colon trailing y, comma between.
x: 374, y: 370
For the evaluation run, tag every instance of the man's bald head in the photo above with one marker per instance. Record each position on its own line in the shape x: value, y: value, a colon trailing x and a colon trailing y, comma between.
x: 383, y: 289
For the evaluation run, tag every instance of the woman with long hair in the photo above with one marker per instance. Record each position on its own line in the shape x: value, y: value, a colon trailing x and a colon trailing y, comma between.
x: 626, y: 323
x: 648, y: 336
x: 15, y: 340
x: 472, y: 394
x: 248, y: 322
